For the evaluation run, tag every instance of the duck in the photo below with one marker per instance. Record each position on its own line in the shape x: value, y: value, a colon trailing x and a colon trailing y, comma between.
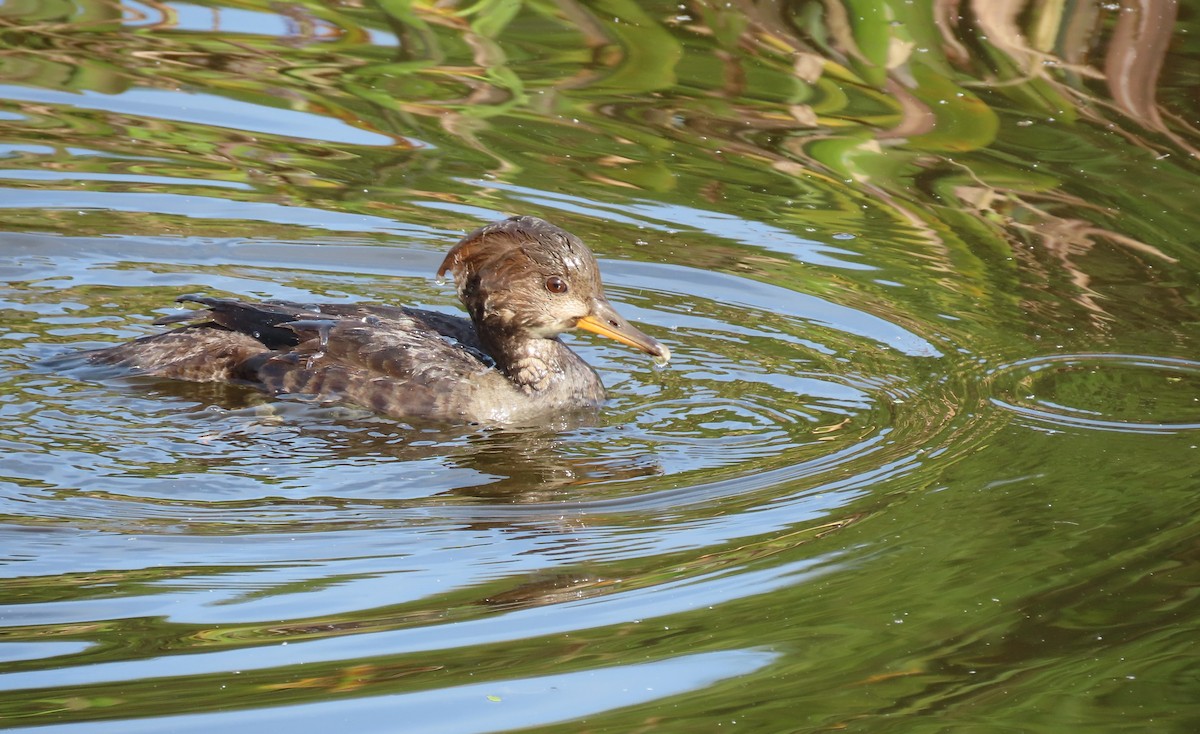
x: 523, y: 282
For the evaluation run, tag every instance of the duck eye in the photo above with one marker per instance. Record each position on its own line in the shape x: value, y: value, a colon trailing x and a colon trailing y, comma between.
x: 555, y: 284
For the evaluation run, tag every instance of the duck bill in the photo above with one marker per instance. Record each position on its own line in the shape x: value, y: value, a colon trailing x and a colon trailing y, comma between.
x: 605, y: 321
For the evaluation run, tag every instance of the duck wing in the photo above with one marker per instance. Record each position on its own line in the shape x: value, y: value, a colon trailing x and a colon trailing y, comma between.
x: 395, y: 366
x: 263, y: 320
x: 259, y: 320
x: 218, y: 343
x: 398, y: 361
x: 196, y: 353
x: 456, y: 327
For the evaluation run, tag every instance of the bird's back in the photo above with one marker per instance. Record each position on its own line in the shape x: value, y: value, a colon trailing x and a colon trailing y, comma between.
x: 406, y: 363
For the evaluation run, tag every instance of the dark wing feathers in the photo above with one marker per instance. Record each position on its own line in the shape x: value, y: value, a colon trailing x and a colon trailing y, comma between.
x: 262, y: 321
x: 455, y: 327
x: 197, y: 352
x: 392, y: 366
x: 399, y: 361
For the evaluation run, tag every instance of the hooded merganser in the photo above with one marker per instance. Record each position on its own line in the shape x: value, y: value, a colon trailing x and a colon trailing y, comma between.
x: 523, y: 281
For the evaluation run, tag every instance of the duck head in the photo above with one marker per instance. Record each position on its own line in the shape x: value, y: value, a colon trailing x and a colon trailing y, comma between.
x: 526, y: 278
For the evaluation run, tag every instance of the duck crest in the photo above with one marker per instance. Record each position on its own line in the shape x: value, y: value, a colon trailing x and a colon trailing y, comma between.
x: 496, y: 252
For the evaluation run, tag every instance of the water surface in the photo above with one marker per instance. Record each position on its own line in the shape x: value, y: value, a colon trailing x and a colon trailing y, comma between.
x: 927, y: 456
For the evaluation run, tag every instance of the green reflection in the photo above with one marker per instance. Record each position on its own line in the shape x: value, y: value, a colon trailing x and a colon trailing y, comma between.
x: 999, y: 180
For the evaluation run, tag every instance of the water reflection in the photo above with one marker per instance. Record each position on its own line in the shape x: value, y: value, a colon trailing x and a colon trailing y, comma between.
x: 762, y: 391
x: 925, y: 448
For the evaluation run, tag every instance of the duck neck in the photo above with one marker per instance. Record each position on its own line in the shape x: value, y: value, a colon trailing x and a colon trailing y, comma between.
x: 541, y: 366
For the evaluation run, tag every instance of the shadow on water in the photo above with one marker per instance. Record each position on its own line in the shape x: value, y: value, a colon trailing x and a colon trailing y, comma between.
x: 924, y: 458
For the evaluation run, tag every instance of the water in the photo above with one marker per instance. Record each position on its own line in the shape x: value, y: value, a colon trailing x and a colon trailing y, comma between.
x: 927, y: 456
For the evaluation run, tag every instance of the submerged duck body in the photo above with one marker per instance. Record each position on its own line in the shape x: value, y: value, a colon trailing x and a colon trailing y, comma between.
x: 523, y: 281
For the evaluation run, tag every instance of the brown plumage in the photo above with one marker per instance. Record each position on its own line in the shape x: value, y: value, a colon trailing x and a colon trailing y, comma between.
x: 523, y: 281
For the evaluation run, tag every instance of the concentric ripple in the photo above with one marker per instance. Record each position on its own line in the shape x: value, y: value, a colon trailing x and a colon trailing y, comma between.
x: 261, y: 520
x: 1130, y: 393
x: 755, y: 400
